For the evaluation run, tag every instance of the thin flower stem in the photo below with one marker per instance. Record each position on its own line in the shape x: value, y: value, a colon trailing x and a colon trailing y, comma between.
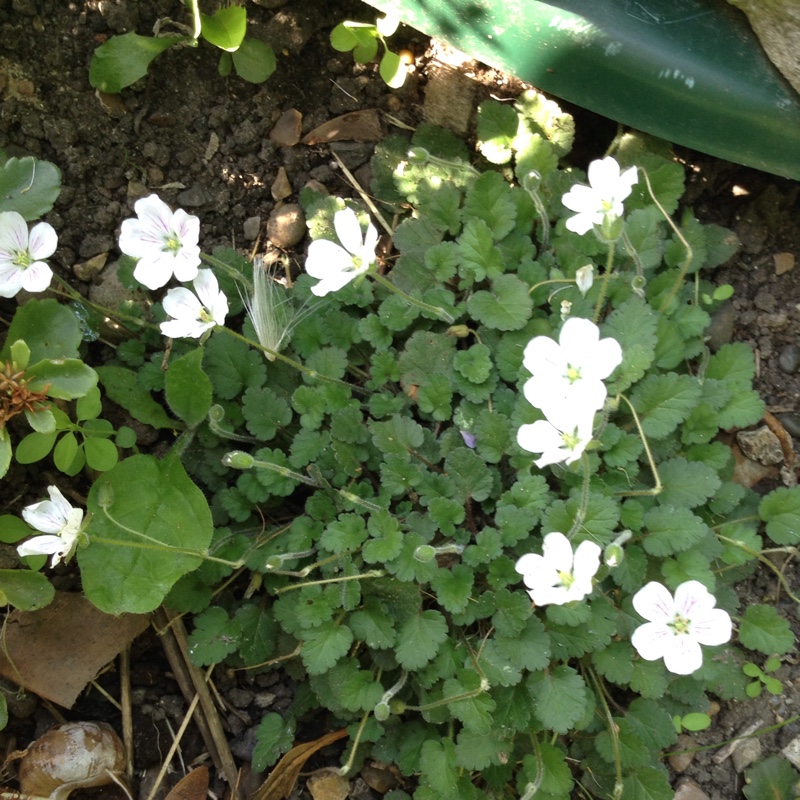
x: 153, y: 544
x: 532, y: 788
x: 659, y: 486
x: 291, y: 362
x: 375, y: 573
x: 440, y: 312
x: 581, y: 515
x: 348, y: 765
x: 227, y: 269
x: 765, y: 561
x: 612, y: 730
x: 285, y: 472
x: 547, y: 282
x: 604, y: 285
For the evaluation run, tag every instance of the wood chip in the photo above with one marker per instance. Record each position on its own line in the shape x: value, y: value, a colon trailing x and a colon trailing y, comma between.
x: 357, y: 126
x: 286, y: 132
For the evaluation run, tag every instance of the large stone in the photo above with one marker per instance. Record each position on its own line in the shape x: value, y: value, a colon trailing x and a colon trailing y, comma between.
x: 777, y: 25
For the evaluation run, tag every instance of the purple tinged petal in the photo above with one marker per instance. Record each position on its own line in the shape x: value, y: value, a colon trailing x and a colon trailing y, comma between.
x: 43, y: 241
x: 181, y: 303
x: 13, y: 234
x: 654, y: 602
x: 37, y: 277
x: 683, y: 656
x: 10, y: 280
x: 652, y: 640
x: 712, y: 628
x: 692, y: 598
x: 41, y: 546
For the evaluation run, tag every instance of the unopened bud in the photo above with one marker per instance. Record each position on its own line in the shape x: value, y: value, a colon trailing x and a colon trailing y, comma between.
x: 613, y: 555
x: 425, y: 553
x: 584, y: 278
x: 418, y: 154
x: 238, y: 459
x: 381, y: 711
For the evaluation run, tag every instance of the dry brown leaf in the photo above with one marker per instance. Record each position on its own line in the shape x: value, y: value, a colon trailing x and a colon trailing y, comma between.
x: 284, y: 775
x: 784, y: 262
x: 57, y: 650
x: 193, y: 786
x: 281, y: 188
x: 357, y: 126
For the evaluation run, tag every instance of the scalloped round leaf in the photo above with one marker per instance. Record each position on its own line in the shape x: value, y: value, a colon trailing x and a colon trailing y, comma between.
x: 780, y: 509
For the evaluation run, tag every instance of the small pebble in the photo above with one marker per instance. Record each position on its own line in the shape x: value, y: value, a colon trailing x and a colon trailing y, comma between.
x: 748, y: 751
x: 286, y: 132
x: 681, y: 761
x: 194, y: 197
x: 251, y: 227
x: 789, y: 358
x: 689, y: 790
x: 286, y: 226
x: 720, y: 331
x: 791, y: 422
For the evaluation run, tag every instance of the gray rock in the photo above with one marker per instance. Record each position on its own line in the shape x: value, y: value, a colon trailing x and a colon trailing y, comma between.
x: 720, y: 331
x: 789, y: 358
x: 791, y: 422
x: 251, y: 227
x: 194, y: 197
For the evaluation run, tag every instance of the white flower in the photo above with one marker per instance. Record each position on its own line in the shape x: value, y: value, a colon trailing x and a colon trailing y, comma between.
x: 563, y: 436
x: 337, y: 265
x: 570, y: 372
x: 677, y: 627
x: 195, y: 314
x: 21, y: 252
x: 602, y: 199
x: 57, y: 518
x: 163, y: 241
x: 558, y: 576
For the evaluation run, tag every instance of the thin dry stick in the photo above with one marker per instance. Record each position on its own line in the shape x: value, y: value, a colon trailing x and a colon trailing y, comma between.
x: 364, y: 196
x: 127, y: 711
x: 165, y: 629
x: 175, y: 744
x: 218, y: 736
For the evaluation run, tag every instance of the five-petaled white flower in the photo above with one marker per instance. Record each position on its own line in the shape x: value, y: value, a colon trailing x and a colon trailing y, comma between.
x: 678, y: 626
x: 21, y: 254
x: 570, y: 372
x: 336, y: 265
x: 559, y: 576
x: 57, y: 518
x: 194, y: 314
x: 163, y: 241
x: 562, y: 437
x: 602, y: 199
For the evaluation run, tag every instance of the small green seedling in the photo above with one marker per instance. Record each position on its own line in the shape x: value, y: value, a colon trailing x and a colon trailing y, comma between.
x: 123, y: 60
x: 696, y: 721
x: 773, y: 685
x: 362, y: 38
x: 719, y: 295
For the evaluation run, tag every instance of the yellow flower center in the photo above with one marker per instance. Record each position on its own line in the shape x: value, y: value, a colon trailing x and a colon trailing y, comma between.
x: 680, y: 624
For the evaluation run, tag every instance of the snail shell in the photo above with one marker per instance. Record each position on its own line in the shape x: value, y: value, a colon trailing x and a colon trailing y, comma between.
x: 77, y: 755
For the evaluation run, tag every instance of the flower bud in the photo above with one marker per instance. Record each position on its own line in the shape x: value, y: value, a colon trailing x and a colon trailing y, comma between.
x: 238, y: 459
x: 584, y: 278
x: 418, y: 155
x: 613, y: 555
x: 425, y: 553
x: 381, y: 711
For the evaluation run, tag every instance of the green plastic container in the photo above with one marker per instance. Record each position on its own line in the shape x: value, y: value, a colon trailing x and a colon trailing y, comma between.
x: 690, y: 71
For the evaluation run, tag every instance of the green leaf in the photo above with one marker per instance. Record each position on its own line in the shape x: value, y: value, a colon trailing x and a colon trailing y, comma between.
x: 274, y: 736
x: 63, y: 378
x: 479, y: 256
x: 50, y: 330
x: 437, y: 763
x: 646, y: 783
x: 477, y: 751
x: 188, y: 388
x: 780, y: 509
x: 419, y: 639
x: 453, y: 587
x: 30, y: 187
x: 392, y: 70
x: 559, y: 698
x: 34, y: 447
x: 122, y: 60
x: 156, y: 502
x: 671, y: 529
x: 101, y: 454
x: 733, y: 363
x: 214, y: 637
x: 472, y: 478
x: 474, y: 363
x: 664, y: 401
x: 5, y: 452
x: 529, y: 649
x: 497, y: 127
x: 344, y: 534
x: 232, y: 366
x: 426, y: 355
x: 507, y: 307
x: 122, y: 387
x: 26, y: 590
x: 373, y: 625
x: 473, y: 712
x: 615, y: 662
x: 265, y: 412
x: 556, y: 780
x: 489, y: 198
x: 254, y: 61
x: 343, y: 38
x: 687, y: 483
x: 66, y: 452
x: 633, y: 324
x: 763, y: 629
x: 774, y: 778
x: 226, y: 29
x: 324, y: 646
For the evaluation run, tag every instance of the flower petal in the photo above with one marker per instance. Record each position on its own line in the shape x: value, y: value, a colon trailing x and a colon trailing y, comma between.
x: 40, y: 546
x: 183, y: 304
x: 652, y: 640
x: 37, y: 277
x: 683, y: 656
x: 326, y: 258
x: 346, y: 225
x: 654, y: 602
x: 692, y: 599
x: 45, y: 516
x: 13, y: 234
x: 557, y: 552
x: 712, y: 628
x: 10, y: 280
x: 43, y: 241
x: 586, y: 561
